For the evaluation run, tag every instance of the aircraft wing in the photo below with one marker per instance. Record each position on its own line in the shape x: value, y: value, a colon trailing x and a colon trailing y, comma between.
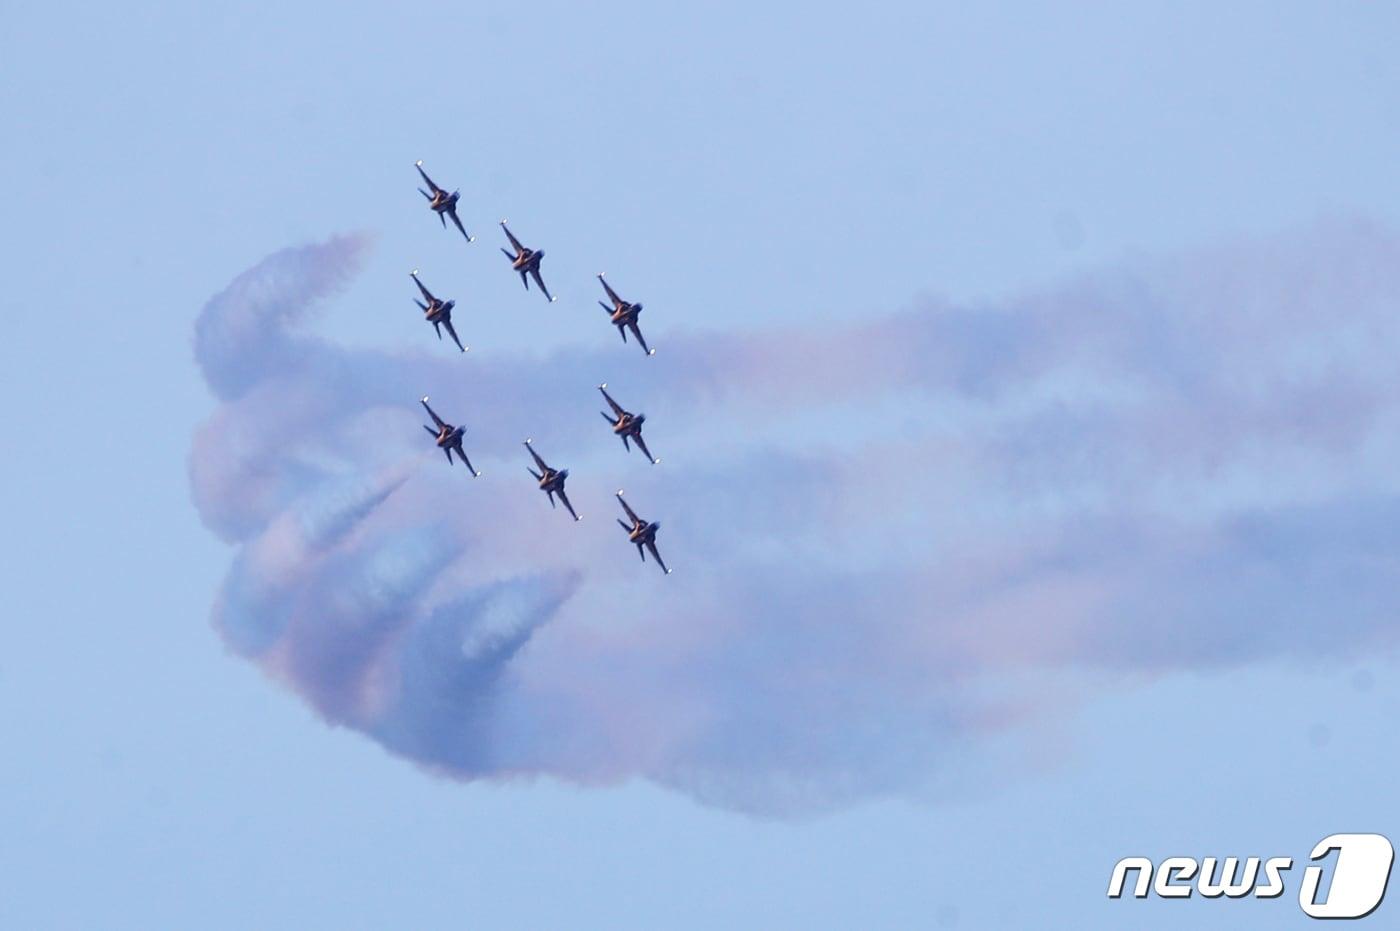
x: 465, y: 461
x: 462, y: 229
x: 651, y: 546
x: 617, y: 408
x: 630, y: 513
x: 611, y: 293
x: 540, y: 281
x: 426, y: 180
x: 427, y: 295
x: 536, y: 456
x: 565, y: 499
x: 436, y: 419
x: 453, y: 333
x: 515, y: 243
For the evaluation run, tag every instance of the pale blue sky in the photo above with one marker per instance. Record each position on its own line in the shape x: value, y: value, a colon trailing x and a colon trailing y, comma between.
x: 733, y: 165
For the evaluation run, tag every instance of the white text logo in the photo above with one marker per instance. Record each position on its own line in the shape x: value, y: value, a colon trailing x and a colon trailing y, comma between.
x: 1356, y: 868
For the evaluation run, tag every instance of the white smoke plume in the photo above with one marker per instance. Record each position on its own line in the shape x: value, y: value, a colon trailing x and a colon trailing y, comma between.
x: 895, y: 539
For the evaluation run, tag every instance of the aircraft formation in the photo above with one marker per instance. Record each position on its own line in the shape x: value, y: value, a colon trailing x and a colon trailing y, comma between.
x: 621, y: 313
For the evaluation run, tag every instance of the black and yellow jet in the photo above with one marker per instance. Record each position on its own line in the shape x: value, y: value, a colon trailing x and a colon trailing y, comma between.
x: 641, y: 533
x: 551, y: 480
x: 442, y: 203
x: 526, y: 261
x: 626, y: 424
x: 623, y: 315
x: 448, y: 437
x: 437, y: 311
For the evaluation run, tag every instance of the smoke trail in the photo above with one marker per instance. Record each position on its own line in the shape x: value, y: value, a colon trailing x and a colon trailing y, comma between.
x: 1176, y: 464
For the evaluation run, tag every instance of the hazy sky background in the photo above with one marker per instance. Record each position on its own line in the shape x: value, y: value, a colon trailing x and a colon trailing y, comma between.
x: 734, y: 167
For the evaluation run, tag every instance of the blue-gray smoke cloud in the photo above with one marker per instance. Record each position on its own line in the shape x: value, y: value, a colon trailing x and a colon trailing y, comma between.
x: 1179, y: 464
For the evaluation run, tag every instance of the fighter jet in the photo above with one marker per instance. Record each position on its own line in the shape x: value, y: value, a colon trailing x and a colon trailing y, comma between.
x: 448, y: 437
x: 626, y: 424
x: 641, y: 533
x: 624, y: 316
x: 526, y: 261
x: 551, y: 480
x: 442, y: 203
x: 438, y: 312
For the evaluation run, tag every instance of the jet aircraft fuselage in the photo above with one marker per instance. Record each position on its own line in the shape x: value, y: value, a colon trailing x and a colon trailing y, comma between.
x: 525, y: 261
x: 626, y: 424
x: 441, y: 202
x: 551, y: 480
x: 437, y: 311
x: 624, y: 315
x: 448, y: 437
x: 641, y: 533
